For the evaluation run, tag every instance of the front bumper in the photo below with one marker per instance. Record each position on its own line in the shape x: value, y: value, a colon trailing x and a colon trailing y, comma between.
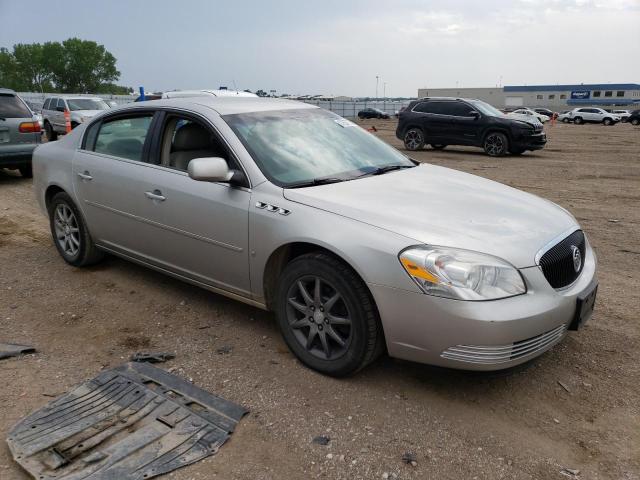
x: 536, y: 141
x: 444, y: 332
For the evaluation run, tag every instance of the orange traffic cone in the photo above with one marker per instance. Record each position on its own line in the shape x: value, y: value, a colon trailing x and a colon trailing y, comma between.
x: 67, y: 120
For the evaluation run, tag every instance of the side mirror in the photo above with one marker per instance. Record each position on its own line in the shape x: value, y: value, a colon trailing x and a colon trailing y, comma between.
x: 214, y: 169
x: 474, y: 114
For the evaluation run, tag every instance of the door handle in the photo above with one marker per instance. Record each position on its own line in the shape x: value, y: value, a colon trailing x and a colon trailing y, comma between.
x: 85, y: 176
x: 155, y: 195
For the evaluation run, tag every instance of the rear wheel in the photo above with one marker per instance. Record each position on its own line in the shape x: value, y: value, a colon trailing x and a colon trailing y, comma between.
x: 70, y: 234
x: 414, y: 139
x: 607, y: 121
x: 565, y: 120
x: 327, y: 316
x: 438, y: 146
x: 50, y: 132
x: 496, y: 144
x: 578, y: 121
x: 635, y: 121
x: 26, y: 171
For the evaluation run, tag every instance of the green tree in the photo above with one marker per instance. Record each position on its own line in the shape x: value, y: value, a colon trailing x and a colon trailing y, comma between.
x: 73, y: 66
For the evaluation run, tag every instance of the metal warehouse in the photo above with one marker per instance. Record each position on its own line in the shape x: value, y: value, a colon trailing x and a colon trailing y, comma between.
x: 556, y: 97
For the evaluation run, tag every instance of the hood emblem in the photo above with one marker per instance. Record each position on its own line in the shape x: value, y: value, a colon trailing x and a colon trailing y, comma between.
x: 577, y: 258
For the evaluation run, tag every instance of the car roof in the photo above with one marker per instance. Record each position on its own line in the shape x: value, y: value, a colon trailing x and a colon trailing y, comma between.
x: 7, y: 91
x: 74, y: 97
x: 226, y: 105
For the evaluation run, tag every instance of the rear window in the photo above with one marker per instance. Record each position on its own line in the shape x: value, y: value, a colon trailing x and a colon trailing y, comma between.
x: 12, y: 107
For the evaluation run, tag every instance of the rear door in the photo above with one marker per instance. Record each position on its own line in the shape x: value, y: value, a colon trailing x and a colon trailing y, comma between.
x: 110, y: 175
x: 435, y: 123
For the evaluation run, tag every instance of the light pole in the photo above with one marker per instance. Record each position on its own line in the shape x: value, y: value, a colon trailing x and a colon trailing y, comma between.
x: 377, y: 78
x: 384, y: 95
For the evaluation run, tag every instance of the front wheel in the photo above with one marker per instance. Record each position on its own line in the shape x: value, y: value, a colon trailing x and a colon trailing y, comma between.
x: 578, y: 121
x: 635, y: 121
x: 414, y: 139
x: 607, y: 121
x: 565, y: 120
x: 438, y: 146
x: 70, y: 234
x: 50, y: 133
x: 496, y: 144
x: 327, y: 315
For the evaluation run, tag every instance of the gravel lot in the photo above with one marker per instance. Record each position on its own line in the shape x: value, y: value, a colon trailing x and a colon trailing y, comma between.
x: 517, y: 424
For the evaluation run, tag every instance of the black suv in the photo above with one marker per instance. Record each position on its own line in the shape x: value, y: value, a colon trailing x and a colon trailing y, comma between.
x: 634, y: 118
x: 455, y: 121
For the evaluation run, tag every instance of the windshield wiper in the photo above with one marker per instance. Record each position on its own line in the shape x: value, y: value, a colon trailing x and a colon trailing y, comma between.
x: 385, y: 169
x: 316, y: 181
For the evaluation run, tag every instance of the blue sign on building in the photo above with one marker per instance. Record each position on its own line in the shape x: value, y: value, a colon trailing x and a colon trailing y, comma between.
x: 580, y: 94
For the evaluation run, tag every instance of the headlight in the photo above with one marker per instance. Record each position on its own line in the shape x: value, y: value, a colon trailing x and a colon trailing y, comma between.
x: 461, y: 274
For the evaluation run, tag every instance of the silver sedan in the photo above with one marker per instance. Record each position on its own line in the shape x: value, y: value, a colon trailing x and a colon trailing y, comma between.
x: 356, y: 248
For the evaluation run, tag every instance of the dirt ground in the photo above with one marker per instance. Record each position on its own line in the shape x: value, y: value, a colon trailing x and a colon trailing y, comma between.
x: 518, y: 424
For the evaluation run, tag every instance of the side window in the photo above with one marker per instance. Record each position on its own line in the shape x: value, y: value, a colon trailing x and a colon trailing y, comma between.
x: 124, y: 137
x: 620, y: 93
x: 46, y: 104
x: 89, y: 141
x: 432, y: 107
x: 184, y: 139
x: 421, y: 107
x: 460, y: 109
x: 596, y: 93
x: 608, y: 93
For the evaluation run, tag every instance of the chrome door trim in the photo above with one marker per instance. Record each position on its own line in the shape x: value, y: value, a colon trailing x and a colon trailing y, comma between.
x: 166, y: 227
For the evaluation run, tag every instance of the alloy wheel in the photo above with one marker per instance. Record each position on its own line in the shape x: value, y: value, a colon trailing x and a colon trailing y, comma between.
x: 319, y: 318
x: 413, y: 139
x: 67, y: 230
x: 494, y: 145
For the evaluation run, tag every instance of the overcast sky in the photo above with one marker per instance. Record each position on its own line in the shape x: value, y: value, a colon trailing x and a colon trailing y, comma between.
x: 338, y: 47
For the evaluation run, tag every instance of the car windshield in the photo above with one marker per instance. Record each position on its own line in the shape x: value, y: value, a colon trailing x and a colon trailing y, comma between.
x: 486, y: 109
x: 12, y: 107
x: 293, y: 147
x: 86, y: 104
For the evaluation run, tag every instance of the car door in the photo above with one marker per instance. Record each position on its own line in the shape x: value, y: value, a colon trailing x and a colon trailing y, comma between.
x: 466, y: 127
x: 110, y: 175
x: 202, y: 228
x: 433, y: 120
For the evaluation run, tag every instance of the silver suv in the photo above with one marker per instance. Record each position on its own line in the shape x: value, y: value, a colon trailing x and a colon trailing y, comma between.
x: 80, y: 108
x: 593, y: 115
x: 19, y: 133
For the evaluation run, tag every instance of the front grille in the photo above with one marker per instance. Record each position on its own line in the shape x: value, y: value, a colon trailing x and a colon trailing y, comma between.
x: 558, y: 262
x: 488, y: 354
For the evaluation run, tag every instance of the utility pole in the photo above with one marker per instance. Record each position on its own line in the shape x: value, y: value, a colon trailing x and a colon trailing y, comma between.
x: 377, y: 78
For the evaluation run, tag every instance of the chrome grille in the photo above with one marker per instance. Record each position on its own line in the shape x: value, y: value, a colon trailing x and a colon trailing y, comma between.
x: 490, y: 354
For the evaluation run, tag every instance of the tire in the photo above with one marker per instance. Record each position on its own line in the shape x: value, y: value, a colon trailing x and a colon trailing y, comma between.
x: 496, y: 144
x: 635, y: 121
x: 607, y: 121
x: 414, y: 139
x: 565, y: 120
x: 578, y: 121
x: 438, y: 146
x: 26, y: 171
x: 302, y: 322
x: 76, y: 247
x: 50, y: 133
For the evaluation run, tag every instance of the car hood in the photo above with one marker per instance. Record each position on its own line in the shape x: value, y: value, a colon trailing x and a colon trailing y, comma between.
x: 440, y: 206
x: 524, y: 118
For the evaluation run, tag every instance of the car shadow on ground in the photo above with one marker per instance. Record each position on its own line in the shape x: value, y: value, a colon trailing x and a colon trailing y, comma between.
x: 11, y: 176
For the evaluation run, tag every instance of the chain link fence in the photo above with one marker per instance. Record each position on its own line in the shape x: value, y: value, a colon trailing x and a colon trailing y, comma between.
x: 344, y: 109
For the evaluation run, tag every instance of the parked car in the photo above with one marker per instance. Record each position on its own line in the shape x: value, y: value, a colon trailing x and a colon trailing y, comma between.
x: 36, y: 109
x: 372, y: 113
x: 148, y: 96
x: 81, y: 109
x: 593, y: 115
x: 634, y: 118
x: 205, y: 93
x: 623, y: 114
x: 19, y: 133
x: 565, y: 117
x: 450, y: 121
x: 355, y: 247
x: 111, y: 103
x: 545, y: 111
x: 529, y: 113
